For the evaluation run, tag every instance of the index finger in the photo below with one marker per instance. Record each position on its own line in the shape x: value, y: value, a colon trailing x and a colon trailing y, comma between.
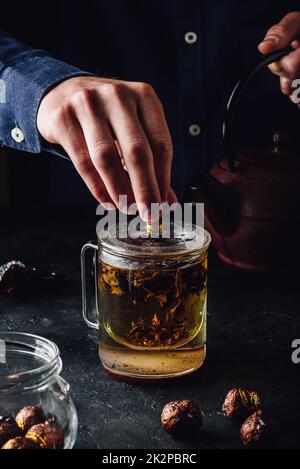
x: 282, y: 34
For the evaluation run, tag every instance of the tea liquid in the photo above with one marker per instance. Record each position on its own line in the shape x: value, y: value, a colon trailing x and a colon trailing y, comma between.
x: 153, y: 322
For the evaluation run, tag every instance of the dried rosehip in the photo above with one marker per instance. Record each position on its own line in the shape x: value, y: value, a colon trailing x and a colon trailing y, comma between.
x: 17, y: 278
x: 258, y: 428
x: 29, y: 416
x: 46, y: 435
x: 8, y: 429
x: 240, y: 403
x: 20, y: 443
x: 181, y: 418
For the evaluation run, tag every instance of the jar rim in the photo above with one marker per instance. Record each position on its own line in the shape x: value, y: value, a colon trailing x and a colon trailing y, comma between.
x: 122, y: 247
x: 28, y: 346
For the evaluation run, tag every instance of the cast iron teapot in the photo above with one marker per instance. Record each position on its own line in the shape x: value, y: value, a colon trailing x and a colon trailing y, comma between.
x: 252, y: 198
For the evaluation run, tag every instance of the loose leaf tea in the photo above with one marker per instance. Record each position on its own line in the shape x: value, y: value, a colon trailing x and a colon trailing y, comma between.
x: 153, y: 309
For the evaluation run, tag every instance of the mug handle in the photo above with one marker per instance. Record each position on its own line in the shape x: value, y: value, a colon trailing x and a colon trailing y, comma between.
x: 86, y: 247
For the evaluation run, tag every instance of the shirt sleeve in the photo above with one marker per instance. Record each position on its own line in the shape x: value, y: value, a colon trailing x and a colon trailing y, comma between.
x: 26, y: 75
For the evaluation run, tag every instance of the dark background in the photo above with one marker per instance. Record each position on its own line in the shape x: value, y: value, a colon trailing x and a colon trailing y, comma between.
x: 143, y: 41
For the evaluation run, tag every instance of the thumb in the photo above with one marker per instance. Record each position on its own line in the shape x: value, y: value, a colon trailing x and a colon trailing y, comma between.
x: 282, y: 34
x: 268, y: 46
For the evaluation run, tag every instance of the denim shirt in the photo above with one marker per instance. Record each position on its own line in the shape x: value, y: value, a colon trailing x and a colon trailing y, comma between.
x: 192, y: 52
x: 26, y: 75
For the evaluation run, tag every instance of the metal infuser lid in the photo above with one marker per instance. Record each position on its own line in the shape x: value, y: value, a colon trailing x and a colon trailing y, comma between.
x: 178, y: 240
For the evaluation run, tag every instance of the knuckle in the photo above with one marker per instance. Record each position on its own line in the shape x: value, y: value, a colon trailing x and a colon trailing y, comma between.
x: 103, y: 154
x: 164, y: 147
x: 61, y: 114
x: 83, y: 164
x: 105, y: 88
x: 82, y: 96
x: 278, y: 30
x: 116, y: 91
x: 145, y: 89
x: 135, y: 149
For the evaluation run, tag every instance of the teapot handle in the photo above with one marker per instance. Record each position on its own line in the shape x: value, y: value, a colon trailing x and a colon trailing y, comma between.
x: 235, y: 99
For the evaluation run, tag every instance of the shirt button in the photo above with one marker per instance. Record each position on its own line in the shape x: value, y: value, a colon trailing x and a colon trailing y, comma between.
x: 190, y: 37
x: 17, y: 135
x: 195, y: 130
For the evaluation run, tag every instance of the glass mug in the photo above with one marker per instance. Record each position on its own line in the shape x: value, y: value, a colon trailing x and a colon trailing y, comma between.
x: 151, y: 299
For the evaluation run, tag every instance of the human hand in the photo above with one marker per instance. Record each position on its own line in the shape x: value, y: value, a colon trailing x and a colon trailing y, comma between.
x: 105, y: 124
x: 282, y: 35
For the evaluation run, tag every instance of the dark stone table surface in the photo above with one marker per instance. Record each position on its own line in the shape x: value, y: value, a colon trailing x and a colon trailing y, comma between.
x: 252, y: 321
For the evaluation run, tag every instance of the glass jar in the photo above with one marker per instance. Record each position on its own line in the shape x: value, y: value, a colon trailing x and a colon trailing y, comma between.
x: 30, y: 369
x: 151, y: 296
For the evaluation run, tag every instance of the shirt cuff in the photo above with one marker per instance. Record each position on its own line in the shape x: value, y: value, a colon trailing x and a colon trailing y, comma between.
x: 23, y: 86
